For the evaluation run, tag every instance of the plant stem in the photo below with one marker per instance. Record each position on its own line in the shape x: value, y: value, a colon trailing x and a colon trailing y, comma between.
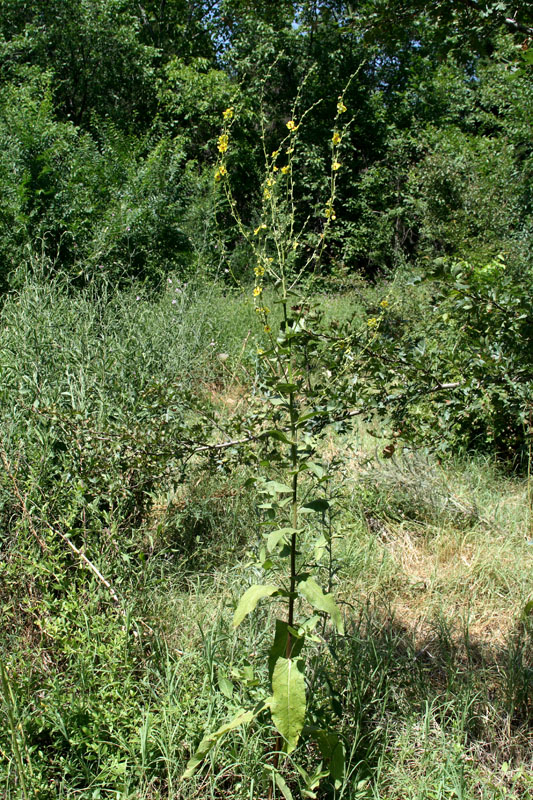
x: 294, y: 510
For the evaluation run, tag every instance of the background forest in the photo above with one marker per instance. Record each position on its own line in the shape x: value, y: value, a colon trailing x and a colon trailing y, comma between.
x: 133, y: 386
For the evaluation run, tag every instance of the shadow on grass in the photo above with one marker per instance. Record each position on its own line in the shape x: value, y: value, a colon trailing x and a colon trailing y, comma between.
x: 387, y: 680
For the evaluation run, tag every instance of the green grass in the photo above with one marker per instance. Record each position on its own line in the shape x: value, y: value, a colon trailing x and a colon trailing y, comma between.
x: 433, y: 681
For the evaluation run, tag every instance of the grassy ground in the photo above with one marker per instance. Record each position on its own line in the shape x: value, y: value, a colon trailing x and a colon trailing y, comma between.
x: 107, y: 688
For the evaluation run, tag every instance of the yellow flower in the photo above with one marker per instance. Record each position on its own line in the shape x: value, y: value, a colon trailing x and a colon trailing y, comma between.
x: 223, y: 142
x: 274, y: 168
x: 295, y: 244
x: 341, y: 108
x: 257, y: 291
x: 335, y: 166
x: 221, y: 172
x: 330, y: 213
x: 228, y: 113
x: 384, y: 304
x: 285, y: 169
x: 267, y: 328
x: 259, y: 270
x: 259, y: 228
x: 270, y: 182
x: 372, y: 322
x: 336, y: 138
x: 275, y: 154
x: 291, y: 125
x: 267, y: 194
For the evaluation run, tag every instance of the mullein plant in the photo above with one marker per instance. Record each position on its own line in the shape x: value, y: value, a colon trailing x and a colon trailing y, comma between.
x: 299, y: 357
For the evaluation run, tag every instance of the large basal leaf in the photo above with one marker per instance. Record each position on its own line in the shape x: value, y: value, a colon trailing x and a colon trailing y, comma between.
x: 322, y: 602
x: 288, y: 700
x: 250, y: 599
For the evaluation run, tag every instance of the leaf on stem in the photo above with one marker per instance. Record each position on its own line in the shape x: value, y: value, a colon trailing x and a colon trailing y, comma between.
x: 280, y: 535
x: 279, y: 648
x: 275, y: 434
x: 274, y: 487
x: 250, y: 599
x: 311, y: 591
x: 316, y: 505
x: 288, y: 702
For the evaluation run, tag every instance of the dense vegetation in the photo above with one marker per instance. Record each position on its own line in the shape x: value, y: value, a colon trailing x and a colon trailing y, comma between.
x: 252, y: 252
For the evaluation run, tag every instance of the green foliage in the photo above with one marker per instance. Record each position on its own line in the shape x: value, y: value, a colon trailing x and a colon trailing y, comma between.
x: 485, y: 325
x: 459, y: 376
x: 94, y: 53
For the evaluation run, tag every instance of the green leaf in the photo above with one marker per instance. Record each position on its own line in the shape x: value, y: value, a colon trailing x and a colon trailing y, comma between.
x: 288, y: 700
x: 317, y: 469
x: 250, y: 599
x: 279, y: 648
x: 282, y: 786
x: 277, y: 488
x: 275, y: 434
x: 332, y: 750
x: 322, y: 602
x: 316, y: 505
x: 225, y: 685
x: 286, y: 388
x: 208, y: 742
x: 279, y: 535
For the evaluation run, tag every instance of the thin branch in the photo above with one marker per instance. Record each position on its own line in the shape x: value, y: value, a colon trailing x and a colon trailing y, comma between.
x: 29, y: 519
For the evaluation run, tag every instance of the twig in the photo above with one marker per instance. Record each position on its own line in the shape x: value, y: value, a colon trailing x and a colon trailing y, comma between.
x: 93, y: 568
x: 29, y: 519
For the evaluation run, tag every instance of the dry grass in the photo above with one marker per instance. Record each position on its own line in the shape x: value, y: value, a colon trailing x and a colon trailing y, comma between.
x: 448, y: 545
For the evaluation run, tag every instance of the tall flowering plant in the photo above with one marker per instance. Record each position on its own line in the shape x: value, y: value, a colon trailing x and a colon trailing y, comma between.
x: 299, y: 358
